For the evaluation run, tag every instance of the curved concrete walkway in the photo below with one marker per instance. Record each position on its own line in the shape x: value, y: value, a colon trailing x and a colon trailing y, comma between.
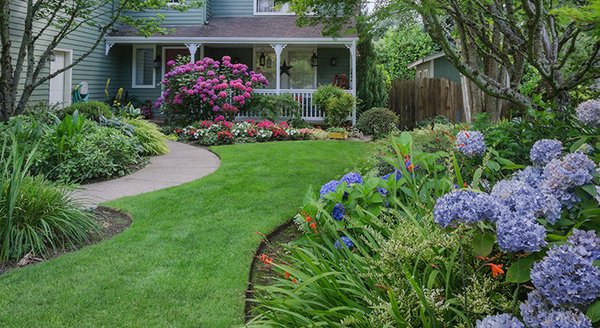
x: 183, y: 163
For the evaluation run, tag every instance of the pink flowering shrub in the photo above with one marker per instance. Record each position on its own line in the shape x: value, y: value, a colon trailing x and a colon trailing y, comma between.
x: 207, y: 90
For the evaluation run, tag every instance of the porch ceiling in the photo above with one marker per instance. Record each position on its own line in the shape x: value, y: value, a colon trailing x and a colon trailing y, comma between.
x: 255, y: 27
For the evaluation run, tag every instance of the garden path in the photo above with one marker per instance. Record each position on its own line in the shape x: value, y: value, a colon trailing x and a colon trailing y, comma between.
x: 183, y: 163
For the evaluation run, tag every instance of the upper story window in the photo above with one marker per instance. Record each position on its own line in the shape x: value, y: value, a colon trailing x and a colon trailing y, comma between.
x: 268, y: 7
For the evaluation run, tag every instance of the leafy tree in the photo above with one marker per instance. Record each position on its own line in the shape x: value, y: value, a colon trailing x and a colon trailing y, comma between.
x: 372, y: 89
x: 56, y: 20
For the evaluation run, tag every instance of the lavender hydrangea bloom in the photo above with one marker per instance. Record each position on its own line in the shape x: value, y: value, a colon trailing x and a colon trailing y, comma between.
x: 531, y: 175
x: 519, y: 233
x: 586, y: 244
x: 561, y: 176
x: 545, y: 150
x: 352, y: 178
x: 500, y: 321
x: 338, y: 212
x: 518, y: 196
x: 347, y: 242
x: 464, y: 206
x: 382, y: 191
x: 588, y: 113
x: 537, y: 313
x: 397, y: 174
x: 598, y: 194
x: 470, y: 143
x: 329, y: 187
x: 564, y: 278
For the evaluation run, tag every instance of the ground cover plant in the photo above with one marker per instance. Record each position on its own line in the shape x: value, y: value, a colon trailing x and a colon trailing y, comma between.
x: 209, y: 133
x: 185, y: 259
x: 448, y: 233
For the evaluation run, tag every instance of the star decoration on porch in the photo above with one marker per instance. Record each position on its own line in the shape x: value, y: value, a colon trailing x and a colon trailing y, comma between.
x: 285, y: 69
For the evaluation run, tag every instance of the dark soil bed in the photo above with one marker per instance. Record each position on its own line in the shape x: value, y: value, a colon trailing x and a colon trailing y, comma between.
x: 272, y: 245
x: 111, y: 222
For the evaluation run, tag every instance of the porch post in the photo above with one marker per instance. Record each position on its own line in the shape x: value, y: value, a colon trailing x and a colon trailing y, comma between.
x: 352, y: 48
x: 278, y: 47
x: 193, y: 47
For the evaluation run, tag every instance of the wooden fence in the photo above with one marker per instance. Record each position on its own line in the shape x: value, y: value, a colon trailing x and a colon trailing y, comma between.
x: 416, y: 100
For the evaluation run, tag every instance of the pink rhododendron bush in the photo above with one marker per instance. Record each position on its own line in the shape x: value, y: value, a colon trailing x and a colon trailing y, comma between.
x: 221, y: 132
x: 207, y: 89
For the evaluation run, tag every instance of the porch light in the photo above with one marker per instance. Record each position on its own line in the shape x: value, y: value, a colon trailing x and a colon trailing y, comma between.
x: 263, y: 59
x: 269, y: 62
x: 52, y: 56
x: 157, y: 62
x: 314, y: 60
x: 333, y: 61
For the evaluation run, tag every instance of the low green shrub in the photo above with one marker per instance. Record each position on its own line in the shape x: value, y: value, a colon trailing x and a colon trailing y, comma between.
x: 36, y: 215
x: 149, y: 135
x: 377, y: 122
x: 274, y: 107
x: 93, y: 110
x: 335, y: 102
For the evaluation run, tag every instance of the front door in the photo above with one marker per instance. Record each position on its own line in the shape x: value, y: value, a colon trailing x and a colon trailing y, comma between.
x: 59, y: 85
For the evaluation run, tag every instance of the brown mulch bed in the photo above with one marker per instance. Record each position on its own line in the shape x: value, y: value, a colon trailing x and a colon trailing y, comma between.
x: 272, y: 245
x: 111, y: 222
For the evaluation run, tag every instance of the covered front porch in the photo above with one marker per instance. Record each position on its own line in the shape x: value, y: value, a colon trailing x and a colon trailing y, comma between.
x: 293, y: 66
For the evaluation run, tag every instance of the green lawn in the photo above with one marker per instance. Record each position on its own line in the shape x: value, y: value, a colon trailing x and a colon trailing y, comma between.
x: 184, y: 262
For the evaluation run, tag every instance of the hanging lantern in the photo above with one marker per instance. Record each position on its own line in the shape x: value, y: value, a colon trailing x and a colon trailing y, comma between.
x: 52, y: 56
x: 314, y: 60
x: 157, y: 62
x: 269, y: 62
x: 263, y: 59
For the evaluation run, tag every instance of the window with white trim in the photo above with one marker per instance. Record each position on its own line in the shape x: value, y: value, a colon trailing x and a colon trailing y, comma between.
x: 268, y: 7
x: 143, y: 75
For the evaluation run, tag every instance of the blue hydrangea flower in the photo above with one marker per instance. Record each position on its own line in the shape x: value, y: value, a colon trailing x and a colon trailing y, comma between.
x: 565, y: 278
x: 382, y: 191
x: 463, y: 206
x: 519, y: 233
x: 588, y: 113
x: 329, y: 187
x: 518, y: 197
x: 537, y: 313
x: 499, y: 321
x: 352, y: 178
x: 531, y: 175
x: 585, y: 149
x: 586, y: 244
x: 347, y: 242
x: 562, y: 176
x: 470, y: 143
x: 338, y: 212
x: 545, y: 150
x: 396, y: 172
x: 598, y: 194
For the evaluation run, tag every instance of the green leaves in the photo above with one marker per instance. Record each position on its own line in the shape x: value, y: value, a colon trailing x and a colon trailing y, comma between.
x: 593, y: 312
x: 483, y: 244
x: 519, y: 271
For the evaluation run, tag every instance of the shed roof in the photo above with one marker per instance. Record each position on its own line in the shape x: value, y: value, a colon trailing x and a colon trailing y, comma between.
x: 426, y: 59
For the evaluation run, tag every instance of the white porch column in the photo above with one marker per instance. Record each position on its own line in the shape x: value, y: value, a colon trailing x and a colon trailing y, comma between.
x: 278, y: 50
x: 193, y: 47
x: 352, y: 48
x: 107, y: 46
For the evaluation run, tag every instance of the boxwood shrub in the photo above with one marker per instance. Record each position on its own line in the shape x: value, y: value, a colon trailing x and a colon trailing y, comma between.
x: 377, y: 122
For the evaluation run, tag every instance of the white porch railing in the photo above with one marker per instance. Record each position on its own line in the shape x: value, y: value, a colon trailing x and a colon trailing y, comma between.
x: 310, y: 111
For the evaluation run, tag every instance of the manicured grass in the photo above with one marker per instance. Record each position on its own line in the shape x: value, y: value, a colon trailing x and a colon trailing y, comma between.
x: 185, y: 260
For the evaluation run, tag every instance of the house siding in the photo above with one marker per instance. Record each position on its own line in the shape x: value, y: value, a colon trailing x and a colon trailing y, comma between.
x: 125, y: 81
x: 232, y: 8
x: 95, y: 69
x: 172, y: 17
x: 325, y: 72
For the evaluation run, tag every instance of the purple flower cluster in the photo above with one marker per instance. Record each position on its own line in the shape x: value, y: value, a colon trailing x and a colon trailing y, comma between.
x: 537, y: 313
x: 566, y: 278
x: 463, y: 206
x: 352, y: 178
x: 520, y: 233
x: 347, y: 242
x: 338, y: 212
x: 397, y: 174
x: 208, y: 85
x: 585, y: 244
x: 525, y: 200
x: 499, y: 321
x: 329, y: 187
x: 562, y: 176
x: 470, y: 143
x: 544, y: 151
x: 588, y: 113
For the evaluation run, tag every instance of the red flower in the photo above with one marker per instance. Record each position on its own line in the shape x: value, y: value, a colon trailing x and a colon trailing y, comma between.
x: 308, y: 219
x: 496, y: 269
x: 264, y: 258
x: 287, y: 275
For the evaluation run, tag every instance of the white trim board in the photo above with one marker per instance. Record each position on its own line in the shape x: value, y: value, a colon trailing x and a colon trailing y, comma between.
x: 219, y: 40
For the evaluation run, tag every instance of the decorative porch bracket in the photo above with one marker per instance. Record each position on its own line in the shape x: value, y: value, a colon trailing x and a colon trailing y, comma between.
x: 107, y: 46
x: 193, y: 48
x: 352, y: 48
x: 278, y: 47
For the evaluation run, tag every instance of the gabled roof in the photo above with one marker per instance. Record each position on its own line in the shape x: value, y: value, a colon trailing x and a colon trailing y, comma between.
x: 252, y: 27
x: 425, y: 59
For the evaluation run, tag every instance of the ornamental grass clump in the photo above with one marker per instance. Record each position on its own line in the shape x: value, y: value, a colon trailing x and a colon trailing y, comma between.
x: 207, y: 89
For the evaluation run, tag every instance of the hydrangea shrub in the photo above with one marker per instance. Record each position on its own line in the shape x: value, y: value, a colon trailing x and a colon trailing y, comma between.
x: 588, y: 113
x: 207, y: 89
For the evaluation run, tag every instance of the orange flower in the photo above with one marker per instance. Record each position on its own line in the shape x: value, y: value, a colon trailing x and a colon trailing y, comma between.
x: 465, y: 185
x: 264, y: 258
x: 294, y: 280
x: 313, y: 226
x: 308, y: 219
x: 496, y: 269
x: 411, y: 168
x: 287, y: 275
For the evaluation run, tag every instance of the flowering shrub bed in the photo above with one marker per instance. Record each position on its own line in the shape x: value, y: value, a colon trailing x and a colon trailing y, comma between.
x: 207, y: 89
x: 221, y: 132
x: 448, y: 234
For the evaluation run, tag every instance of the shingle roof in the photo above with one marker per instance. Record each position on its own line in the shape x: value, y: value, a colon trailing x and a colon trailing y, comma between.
x: 243, y: 27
